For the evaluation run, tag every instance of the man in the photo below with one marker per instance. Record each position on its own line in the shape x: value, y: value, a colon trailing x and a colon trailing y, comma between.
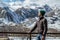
x: 41, y: 25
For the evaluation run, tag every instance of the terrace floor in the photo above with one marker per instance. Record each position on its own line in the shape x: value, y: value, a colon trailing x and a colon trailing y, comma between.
x: 19, y: 38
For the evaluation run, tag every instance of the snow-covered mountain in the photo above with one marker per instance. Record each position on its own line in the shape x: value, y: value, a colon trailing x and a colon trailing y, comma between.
x: 17, y: 14
x: 25, y: 13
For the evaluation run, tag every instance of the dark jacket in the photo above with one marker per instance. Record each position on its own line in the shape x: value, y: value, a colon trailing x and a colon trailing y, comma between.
x: 41, y: 25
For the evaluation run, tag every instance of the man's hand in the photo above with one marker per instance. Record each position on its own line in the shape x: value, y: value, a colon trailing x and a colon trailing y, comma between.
x: 30, y: 32
x: 42, y: 38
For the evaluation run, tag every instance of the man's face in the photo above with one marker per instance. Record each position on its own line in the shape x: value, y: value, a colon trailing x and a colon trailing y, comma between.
x: 39, y: 14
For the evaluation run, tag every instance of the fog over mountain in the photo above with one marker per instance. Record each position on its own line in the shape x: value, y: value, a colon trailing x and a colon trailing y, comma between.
x: 37, y: 2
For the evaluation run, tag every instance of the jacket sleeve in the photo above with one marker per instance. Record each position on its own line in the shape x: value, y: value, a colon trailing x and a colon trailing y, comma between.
x: 45, y: 27
x: 34, y: 27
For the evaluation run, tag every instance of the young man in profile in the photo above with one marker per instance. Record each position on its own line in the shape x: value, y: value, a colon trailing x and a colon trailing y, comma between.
x: 41, y: 25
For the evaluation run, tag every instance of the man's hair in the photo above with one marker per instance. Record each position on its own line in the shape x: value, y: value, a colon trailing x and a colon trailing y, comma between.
x: 42, y: 12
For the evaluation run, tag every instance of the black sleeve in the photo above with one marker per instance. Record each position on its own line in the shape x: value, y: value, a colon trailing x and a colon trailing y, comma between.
x: 34, y: 27
x: 45, y: 27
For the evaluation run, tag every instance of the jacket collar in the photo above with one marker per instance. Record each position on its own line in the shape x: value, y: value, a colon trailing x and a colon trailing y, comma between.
x: 40, y: 18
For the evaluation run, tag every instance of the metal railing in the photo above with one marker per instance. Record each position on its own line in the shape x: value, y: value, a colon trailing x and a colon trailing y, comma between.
x: 24, y: 33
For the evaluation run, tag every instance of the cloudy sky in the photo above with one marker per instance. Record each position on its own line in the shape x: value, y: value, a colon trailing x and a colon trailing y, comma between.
x: 41, y: 2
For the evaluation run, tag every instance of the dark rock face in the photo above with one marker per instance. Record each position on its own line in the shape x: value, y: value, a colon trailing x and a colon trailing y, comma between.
x: 27, y: 12
x: 19, y: 15
x: 47, y: 8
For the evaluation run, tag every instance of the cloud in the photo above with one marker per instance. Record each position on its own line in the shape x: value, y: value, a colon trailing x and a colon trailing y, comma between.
x: 40, y: 2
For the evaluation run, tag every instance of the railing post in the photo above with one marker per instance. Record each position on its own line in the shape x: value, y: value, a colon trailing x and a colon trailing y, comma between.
x: 27, y: 38
x: 30, y: 36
